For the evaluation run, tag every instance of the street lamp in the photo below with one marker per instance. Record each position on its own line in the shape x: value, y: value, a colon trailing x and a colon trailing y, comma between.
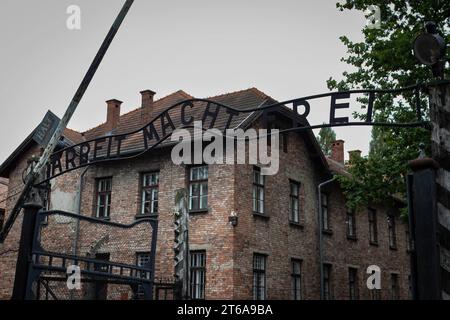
x: 429, y: 49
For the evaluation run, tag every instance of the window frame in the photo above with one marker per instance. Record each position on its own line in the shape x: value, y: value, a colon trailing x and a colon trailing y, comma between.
x: 143, y: 189
x: 99, y: 193
x: 258, y: 187
x: 296, y: 289
x: 199, y: 195
x: 395, y: 286
x: 392, y: 232
x: 139, y: 294
x: 327, y: 278
x: 195, y: 270
x: 351, y: 229
x: 257, y: 274
x: 375, y: 294
x: 353, y: 281
x: 101, y: 289
x: 326, y: 227
x: 410, y: 287
x: 373, y: 222
x: 292, y: 198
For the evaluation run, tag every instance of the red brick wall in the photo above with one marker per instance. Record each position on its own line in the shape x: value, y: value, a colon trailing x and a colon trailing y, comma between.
x: 9, y: 248
x: 229, y: 250
x: 3, y: 192
x: 281, y: 241
x: 343, y: 253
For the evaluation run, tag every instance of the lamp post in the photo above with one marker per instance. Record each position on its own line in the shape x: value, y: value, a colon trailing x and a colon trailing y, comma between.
x: 429, y: 49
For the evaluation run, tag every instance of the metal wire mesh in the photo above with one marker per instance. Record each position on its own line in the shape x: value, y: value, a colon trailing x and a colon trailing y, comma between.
x: 115, y: 261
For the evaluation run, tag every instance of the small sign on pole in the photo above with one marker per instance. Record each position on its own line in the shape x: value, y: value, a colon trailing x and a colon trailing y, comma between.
x: 46, y: 129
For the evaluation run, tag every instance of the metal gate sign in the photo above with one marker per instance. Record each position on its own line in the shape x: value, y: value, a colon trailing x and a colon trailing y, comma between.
x: 46, y: 129
x: 155, y: 132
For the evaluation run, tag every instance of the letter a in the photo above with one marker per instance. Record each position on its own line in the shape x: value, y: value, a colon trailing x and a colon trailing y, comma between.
x: 74, y: 280
x: 74, y: 20
x: 374, y: 280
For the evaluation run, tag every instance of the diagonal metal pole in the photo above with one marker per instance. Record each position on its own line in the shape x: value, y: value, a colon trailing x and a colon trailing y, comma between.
x: 40, y: 166
x: 31, y: 209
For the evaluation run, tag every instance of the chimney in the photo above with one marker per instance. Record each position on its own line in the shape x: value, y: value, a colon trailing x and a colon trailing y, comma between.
x: 353, y: 155
x: 113, y: 114
x: 337, y: 151
x: 147, y: 105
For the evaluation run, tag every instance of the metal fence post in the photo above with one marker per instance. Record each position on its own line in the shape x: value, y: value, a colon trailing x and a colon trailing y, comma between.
x: 31, y: 210
x: 422, y: 195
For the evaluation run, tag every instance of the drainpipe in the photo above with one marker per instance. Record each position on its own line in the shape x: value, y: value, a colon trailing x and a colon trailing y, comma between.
x: 319, y: 191
x: 78, y: 210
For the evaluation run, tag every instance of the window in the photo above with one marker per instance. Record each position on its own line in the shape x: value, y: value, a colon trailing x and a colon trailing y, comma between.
x: 296, y: 276
x: 373, y: 230
x: 395, y: 289
x: 149, y: 194
x: 197, y: 274
x: 353, y: 284
x: 392, y: 234
x: 101, y: 288
x: 259, y: 276
x: 198, y: 188
x: 142, y: 260
x: 258, y: 191
x: 375, y: 294
x: 325, y: 213
x: 295, y: 201
x: 101, y: 267
x: 327, y: 281
x: 103, y: 197
x: 351, y: 224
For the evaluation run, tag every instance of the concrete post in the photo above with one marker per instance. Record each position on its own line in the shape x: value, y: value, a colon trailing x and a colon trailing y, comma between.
x: 440, y: 120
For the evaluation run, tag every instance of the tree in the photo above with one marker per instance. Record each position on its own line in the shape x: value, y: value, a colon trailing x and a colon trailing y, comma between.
x: 384, y: 60
x: 326, y: 137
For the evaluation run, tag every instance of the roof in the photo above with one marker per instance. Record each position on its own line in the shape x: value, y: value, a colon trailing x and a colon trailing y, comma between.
x: 244, y: 99
x: 71, y: 137
x: 337, y: 167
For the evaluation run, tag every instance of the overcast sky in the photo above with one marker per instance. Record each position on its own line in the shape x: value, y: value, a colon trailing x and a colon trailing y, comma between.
x: 285, y: 48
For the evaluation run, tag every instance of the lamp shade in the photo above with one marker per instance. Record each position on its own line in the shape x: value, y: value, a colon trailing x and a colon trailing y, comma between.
x: 429, y: 48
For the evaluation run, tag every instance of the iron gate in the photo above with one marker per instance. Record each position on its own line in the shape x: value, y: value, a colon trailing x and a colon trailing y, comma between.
x: 91, y: 258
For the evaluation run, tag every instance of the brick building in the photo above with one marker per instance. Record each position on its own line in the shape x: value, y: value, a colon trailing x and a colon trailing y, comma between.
x: 271, y: 252
x: 3, y: 195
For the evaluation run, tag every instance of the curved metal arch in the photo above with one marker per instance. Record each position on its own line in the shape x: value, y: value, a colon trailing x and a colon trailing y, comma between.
x: 97, y: 220
x: 248, y: 110
x: 190, y: 102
